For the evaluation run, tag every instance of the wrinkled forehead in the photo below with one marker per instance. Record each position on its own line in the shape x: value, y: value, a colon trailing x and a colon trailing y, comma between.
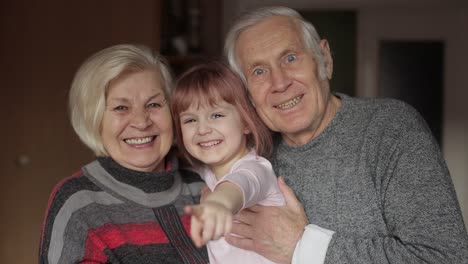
x: 259, y: 41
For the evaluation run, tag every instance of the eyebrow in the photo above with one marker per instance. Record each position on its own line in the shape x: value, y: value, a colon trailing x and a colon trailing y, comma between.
x: 215, y: 108
x: 156, y: 96
x: 185, y: 113
x: 254, y: 65
x: 290, y: 49
x: 123, y: 99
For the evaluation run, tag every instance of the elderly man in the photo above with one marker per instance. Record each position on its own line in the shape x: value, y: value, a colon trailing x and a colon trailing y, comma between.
x: 371, y: 179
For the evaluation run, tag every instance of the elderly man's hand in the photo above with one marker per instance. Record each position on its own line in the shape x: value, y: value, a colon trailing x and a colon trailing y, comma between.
x: 271, y: 231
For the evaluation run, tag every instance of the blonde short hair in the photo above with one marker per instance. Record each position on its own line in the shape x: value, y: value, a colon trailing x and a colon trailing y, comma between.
x: 87, y: 99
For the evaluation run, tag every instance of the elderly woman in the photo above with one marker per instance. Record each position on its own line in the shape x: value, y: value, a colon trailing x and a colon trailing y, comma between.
x: 126, y: 206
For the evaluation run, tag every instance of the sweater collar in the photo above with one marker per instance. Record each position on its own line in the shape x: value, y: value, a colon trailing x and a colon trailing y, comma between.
x: 149, y: 182
x: 149, y: 189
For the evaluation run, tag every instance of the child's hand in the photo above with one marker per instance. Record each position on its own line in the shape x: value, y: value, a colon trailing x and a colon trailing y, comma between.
x: 210, y: 221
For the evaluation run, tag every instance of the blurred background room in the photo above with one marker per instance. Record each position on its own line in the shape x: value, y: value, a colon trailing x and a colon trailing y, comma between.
x: 414, y: 50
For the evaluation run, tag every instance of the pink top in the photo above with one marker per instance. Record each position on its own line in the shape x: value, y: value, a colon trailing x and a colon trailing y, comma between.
x: 255, y: 177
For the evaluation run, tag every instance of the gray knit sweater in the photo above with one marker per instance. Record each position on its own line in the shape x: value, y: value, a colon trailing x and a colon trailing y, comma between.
x: 377, y: 178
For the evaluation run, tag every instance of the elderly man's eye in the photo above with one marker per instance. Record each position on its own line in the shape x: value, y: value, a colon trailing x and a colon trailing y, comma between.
x: 259, y: 71
x: 291, y: 58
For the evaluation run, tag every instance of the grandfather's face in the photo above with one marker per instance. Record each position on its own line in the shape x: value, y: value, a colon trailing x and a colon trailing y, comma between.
x: 136, y: 129
x: 282, y: 78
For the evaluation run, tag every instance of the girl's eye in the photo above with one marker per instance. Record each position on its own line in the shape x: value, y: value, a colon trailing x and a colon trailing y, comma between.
x: 291, y: 58
x: 120, y: 108
x: 215, y: 116
x: 188, y: 121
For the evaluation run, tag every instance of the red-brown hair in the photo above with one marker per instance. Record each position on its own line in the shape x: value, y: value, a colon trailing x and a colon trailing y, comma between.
x: 205, y: 84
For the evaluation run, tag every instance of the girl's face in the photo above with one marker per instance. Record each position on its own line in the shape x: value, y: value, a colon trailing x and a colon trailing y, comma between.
x: 214, y: 135
x: 137, y: 126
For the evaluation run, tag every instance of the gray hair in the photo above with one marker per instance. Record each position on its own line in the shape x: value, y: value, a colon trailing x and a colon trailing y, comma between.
x: 310, y: 37
x: 87, y: 98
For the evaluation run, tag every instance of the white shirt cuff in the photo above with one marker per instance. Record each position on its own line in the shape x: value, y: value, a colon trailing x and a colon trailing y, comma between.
x: 313, y: 246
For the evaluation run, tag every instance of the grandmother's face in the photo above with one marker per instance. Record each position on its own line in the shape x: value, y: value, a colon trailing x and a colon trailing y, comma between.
x: 137, y: 127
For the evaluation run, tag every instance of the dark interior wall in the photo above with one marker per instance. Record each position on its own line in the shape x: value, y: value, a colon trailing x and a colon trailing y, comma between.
x: 42, y: 44
x: 413, y: 71
x: 339, y: 28
x: 190, y: 32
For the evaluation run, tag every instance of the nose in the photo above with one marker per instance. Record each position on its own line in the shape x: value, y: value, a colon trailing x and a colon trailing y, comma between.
x: 280, y: 79
x: 141, y: 119
x: 203, y: 127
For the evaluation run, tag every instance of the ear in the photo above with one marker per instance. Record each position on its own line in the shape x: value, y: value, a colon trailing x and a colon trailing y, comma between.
x: 327, y: 57
x: 247, y: 130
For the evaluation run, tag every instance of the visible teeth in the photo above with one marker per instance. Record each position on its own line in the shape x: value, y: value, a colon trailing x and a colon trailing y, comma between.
x: 138, y: 141
x: 290, y: 103
x: 211, y: 143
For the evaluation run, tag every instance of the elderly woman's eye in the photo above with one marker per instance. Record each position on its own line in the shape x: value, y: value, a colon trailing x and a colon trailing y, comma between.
x: 120, y: 108
x: 153, y: 105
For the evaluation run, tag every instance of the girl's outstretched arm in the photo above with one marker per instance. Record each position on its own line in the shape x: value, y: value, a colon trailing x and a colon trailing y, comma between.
x: 212, y: 218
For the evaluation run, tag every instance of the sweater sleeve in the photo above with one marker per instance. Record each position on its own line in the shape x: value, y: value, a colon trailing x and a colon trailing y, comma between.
x: 257, y: 181
x: 63, y: 236
x: 418, y: 200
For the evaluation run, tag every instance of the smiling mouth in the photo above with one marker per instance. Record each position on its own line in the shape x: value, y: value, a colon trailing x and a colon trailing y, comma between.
x: 139, y: 141
x: 210, y: 143
x: 290, y: 103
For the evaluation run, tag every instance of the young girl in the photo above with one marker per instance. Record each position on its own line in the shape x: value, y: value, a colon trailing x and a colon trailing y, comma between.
x: 221, y: 135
